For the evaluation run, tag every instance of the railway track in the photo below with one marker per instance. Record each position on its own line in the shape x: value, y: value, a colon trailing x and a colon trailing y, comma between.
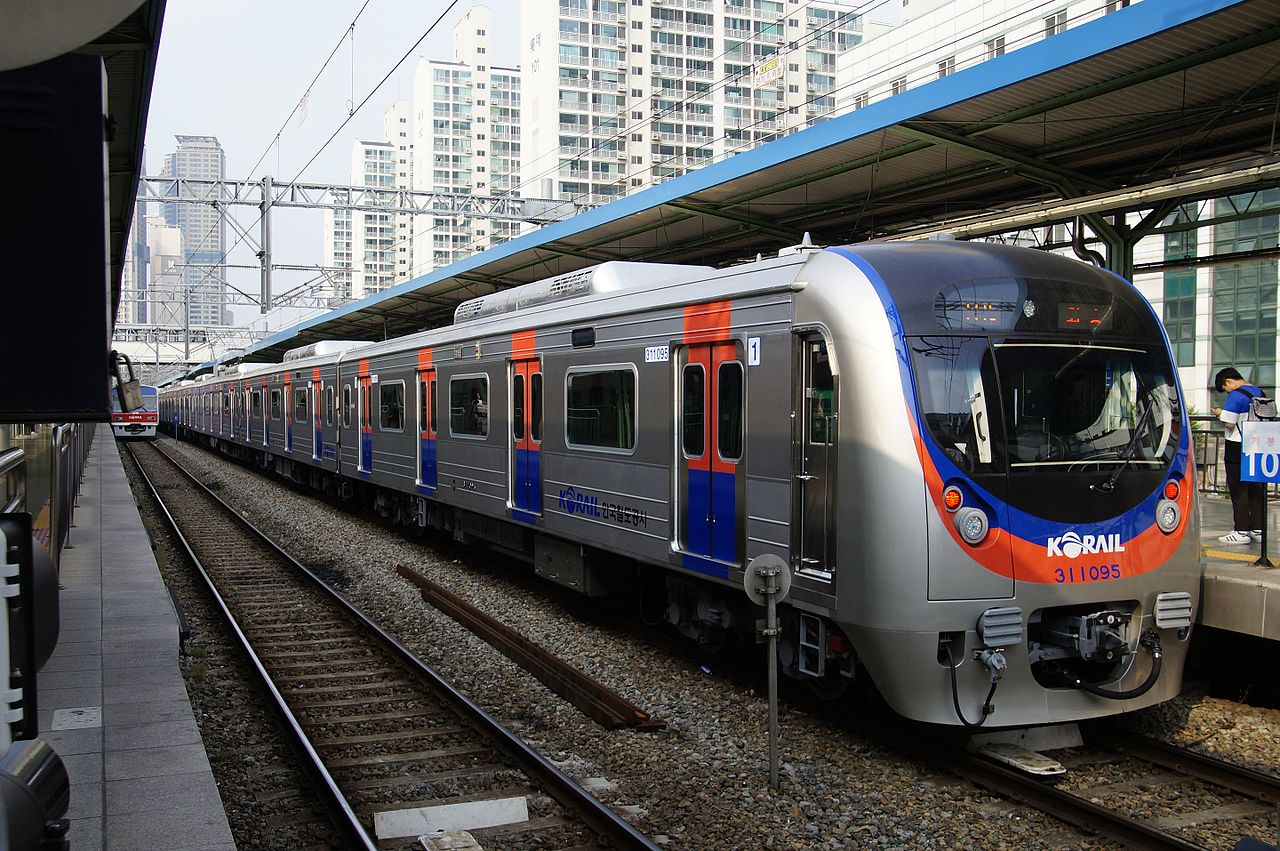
x: 1137, y: 791
x: 394, y: 749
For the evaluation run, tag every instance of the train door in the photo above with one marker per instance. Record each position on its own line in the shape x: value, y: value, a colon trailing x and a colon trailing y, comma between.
x: 711, y: 396
x: 526, y: 440
x: 814, y: 456
x: 260, y: 398
x: 329, y: 431
x: 287, y: 411
x: 317, y: 399
x: 427, y: 422
x: 344, y: 432
x: 246, y: 400
x: 364, y: 416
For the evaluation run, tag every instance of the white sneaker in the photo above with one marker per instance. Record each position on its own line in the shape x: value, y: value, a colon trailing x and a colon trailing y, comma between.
x: 1236, y: 538
x: 1256, y: 534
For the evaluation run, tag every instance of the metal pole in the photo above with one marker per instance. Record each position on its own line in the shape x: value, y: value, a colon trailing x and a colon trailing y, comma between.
x: 771, y: 594
x: 265, y: 254
x: 1263, y: 561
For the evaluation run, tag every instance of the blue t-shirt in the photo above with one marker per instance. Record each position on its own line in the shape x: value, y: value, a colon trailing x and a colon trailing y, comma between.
x: 1236, y: 406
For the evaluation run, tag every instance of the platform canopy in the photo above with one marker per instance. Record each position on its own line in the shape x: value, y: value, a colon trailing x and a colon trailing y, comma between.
x: 1157, y: 94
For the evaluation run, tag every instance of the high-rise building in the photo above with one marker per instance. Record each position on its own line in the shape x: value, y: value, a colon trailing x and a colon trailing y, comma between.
x: 619, y: 95
x: 166, y: 279
x: 134, y: 307
x: 372, y: 250
x: 936, y: 38
x: 466, y: 140
x: 204, y: 295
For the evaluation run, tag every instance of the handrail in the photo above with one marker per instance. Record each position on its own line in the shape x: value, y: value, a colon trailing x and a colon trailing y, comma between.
x: 14, y: 460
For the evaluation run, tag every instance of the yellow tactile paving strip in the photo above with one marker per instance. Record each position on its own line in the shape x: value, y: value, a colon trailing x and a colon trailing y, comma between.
x: 1235, y: 556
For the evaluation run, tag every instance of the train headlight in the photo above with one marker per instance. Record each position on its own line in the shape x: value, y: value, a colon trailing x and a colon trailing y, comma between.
x: 972, y: 524
x: 1168, y: 515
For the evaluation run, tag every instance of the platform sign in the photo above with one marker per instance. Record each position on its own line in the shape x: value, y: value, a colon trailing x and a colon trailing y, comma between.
x: 1260, y: 459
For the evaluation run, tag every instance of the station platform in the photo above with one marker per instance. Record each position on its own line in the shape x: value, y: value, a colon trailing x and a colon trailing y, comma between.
x: 111, y: 699
x: 1236, y: 594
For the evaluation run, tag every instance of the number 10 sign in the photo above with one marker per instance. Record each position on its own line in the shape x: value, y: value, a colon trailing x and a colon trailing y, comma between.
x: 1260, y: 461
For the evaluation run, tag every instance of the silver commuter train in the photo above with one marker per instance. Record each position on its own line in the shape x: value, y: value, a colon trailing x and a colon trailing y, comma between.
x: 974, y: 457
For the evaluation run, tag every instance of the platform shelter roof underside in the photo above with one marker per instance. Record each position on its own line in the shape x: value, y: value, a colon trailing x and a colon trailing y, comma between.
x: 1158, y: 93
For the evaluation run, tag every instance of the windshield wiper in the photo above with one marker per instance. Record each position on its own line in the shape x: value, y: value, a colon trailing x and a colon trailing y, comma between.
x: 1138, y: 431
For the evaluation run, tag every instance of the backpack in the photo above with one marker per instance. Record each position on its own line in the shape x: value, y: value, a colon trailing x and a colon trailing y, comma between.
x: 1262, y: 408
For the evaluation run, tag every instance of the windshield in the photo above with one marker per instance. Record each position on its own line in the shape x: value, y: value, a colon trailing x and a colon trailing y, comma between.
x: 1066, y: 404
x: 1039, y: 405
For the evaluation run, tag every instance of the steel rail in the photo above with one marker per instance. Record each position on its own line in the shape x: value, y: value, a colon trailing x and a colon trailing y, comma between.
x: 1017, y: 786
x: 1237, y: 778
x: 346, y: 820
x: 595, y: 699
x: 604, y: 821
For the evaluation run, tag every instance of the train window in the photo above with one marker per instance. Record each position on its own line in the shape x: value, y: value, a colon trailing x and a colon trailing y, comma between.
x: 256, y: 403
x: 226, y: 402
x: 300, y: 405
x: 391, y: 406
x: 535, y: 405
x: 431, y: 407
x: 691, y: 412
x: 1066, y: 405
x: 346, y: 406
x: 600, y: 408
x: 469, y: 406
x: 729, y: 411
x: 517, y: 407
x: 275, y: 404
x: 822, y: 394
x: 424, y: 425
x: 957, y: 391
x: 328, y: 405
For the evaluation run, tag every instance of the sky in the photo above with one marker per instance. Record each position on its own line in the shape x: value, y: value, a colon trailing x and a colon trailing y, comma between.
x: 235, y: 69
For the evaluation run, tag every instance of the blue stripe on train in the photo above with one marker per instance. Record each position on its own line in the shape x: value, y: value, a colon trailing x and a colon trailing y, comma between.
x: 704, y: 565
x: 428, y: 471
x: 698, y: 512
x: 528, y: 490
x: 724, y: 493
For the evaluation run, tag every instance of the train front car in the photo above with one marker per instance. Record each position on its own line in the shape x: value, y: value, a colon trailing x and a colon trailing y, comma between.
x: 1016, y: 500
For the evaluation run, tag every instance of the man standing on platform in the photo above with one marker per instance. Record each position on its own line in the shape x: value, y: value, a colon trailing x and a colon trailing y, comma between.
x: 1246, y: 497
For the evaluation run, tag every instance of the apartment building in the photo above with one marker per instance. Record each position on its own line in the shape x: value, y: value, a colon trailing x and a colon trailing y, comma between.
x: 370, y: 250
x: 466, y: 140
x: 937, y: 38
x: 620, y: 94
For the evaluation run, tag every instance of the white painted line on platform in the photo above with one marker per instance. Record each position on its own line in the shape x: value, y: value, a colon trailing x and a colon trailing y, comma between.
x: 77, y: 719
x: 472, y: 815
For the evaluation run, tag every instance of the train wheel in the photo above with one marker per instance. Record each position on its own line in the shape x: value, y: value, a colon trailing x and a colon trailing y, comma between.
x: 830, y: 687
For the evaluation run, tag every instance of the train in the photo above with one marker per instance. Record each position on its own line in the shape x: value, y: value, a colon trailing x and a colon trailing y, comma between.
x: 139, y: 423
x: 973, y: 459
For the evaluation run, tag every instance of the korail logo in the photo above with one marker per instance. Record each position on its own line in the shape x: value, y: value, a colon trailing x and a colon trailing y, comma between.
x: 1073, y: 545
